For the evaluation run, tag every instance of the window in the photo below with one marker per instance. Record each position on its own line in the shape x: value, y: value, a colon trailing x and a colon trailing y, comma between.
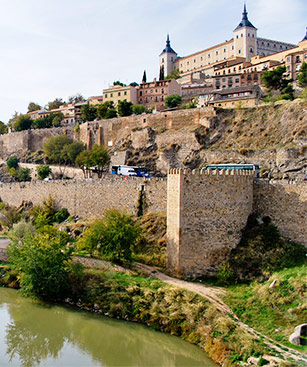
x: 253, y: 36
x: 239, y: 50
x: 274, y: 45
x: 251, y: 50
x: 157, y: 99
x: 288, y: 68
x: 141, y: 93
x: 209, y: 56
x: 146, y: 99
x: 188, y: 63
x: 241, y: 35
x: 106, y: 95
x: 194, y: 61
x: 201, y: 58
x: 111, y: 95
x: 216, y: 52
x: 233, y: 47
x: 224, y: 49
x: 151, y: 91
x: 162, y: 59
x: 288, y: 59
x: 237, y: 80
x: 162, y: 90
x: 118, y: 93
x: 255, y: 77
x: 280, y: 46
x: 125, y: 93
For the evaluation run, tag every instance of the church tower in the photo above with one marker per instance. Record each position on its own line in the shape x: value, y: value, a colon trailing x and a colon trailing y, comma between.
x: 167, y: 59
x: 245, y: 38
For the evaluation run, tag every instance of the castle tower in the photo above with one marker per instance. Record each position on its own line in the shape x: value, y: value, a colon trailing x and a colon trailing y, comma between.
x: 167, y: 59
x: 245, y: 38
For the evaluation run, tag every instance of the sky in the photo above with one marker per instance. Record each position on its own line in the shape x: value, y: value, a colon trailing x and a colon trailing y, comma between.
x: 56, y: 48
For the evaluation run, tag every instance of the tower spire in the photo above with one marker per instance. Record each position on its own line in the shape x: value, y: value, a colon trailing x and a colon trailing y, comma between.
x: 245, y: 21
x: 305, y: 38
x: 168, y: 46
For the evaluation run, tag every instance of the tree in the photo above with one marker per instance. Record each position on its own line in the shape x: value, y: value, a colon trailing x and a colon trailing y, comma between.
x: 23, y: 122
x: 138, y: 109
x: 174, y: 74
x: 53, y: 148
x: 117, y: 82
x: 57, y: 119
x: 133, y: 84
x: 99, y: 157
x: 124, y: 108
x: 106, y: 110
x: 12, y: 162
x: 113, y: 236
x: 173, y: 101
x: 24, y: 174
x: 275, y: 80
x: 73, y: 150
x: 83, y: 160
x: 144, y: 79
x: 88, y: 112
x: 3, y: 128
x: 44, y: 260
x: 161, y: 76
x: 43, y: 171
x: 32, y: 106
x: 76, y: 98
x: 302, y: 75
x: 55, y: 104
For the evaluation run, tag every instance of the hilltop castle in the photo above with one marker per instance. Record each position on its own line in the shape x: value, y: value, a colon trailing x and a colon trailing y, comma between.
x: 243, y: 47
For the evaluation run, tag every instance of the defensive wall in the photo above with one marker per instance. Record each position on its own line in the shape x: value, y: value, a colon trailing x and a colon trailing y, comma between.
x: 90, y: 198
x: 29, y: 140
x: 109, y: 132
x: 206, y: 213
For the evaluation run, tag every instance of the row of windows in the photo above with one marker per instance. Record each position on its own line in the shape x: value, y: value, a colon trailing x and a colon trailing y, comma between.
x: 156, y: 99
x: 274, y: 45
x: 151, y: 91
x: 248, y: 35
x: 118, y: 93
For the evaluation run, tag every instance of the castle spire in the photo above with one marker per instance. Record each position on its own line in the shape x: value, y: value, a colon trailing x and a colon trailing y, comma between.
x: 305, y: 38
x: 245, y: 21
x: 168, y: 47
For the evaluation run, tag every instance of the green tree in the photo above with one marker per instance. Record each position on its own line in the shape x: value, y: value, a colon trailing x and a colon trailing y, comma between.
x: 73, y: 150
x: 23, y: 122
x: 24, y: 174
x: 276, y: 80
x: 174, y: 74
x: 43, y: 171
x: 76, y: 98
x: 12, y: 162
x: 161, y: 74
x: 114, y: 236
x: 55, y: 104
x: 88, y: 112
x: 54, y: 148
x: 302, y: 75
x: 173, y: 101
x: 99, y: 157
x: 83, y: 160
x: 133, y: 84
x: 144, y: 79
x: 3, y: 128
x: 138, y: 109
x: 32, y: 106
x: 106, y: 110
x: 124, y: 108
x: 117, y: 82
x: 44, y: 260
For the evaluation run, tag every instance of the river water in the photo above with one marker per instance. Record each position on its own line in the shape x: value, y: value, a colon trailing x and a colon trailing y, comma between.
x: 34, y: 334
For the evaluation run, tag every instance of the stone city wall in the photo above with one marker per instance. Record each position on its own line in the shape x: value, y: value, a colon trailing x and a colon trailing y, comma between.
x: 205, y: 216
x: 286, y: 205
x: 108, y: 132
x: 89, y: 198
x: 29, y: 140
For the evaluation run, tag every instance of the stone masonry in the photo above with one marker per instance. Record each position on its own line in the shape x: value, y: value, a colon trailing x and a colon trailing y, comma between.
x: 206, y: 213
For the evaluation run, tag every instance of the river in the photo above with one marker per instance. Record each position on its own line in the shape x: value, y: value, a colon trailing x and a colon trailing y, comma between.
x: 35, y: 334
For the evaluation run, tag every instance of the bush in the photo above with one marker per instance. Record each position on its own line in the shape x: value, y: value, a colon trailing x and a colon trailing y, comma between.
x: 61, y: 215
x: 24, y: 174
x: 173, y: 101
x: 21, y: 230
x: 113, y: 236
x: 12, y: 162
x: 47, y: 214
x: 43, y: 171
x: 45, y: 263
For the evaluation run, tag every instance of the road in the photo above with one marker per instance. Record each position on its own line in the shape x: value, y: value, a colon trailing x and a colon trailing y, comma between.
x: 4, y: 242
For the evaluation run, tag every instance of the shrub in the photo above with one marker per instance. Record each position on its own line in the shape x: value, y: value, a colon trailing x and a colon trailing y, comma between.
x: 12, y: 162
x: 43, y: 171
x: 113, y: 236
x: 21, y: 229
x: 61, y: 215
x: 45, y: 263
x: 24, y: 174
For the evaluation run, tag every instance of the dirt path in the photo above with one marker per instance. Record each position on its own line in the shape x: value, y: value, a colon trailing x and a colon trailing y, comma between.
x: 213, y: 294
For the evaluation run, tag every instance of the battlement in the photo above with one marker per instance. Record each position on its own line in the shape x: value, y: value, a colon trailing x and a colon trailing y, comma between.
x: 210, y: 172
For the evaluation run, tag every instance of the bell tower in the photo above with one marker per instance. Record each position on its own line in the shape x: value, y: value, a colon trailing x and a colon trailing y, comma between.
x: 167, y: 59
x: 245, y: 38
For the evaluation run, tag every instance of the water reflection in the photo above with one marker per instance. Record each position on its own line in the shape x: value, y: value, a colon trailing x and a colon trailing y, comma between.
x: 39, y: 335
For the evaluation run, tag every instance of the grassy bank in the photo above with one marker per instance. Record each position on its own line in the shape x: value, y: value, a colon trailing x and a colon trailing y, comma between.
x: 274, y: 311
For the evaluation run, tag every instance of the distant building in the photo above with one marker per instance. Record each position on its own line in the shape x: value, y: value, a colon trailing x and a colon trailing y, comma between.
x: 95, y: 100
x: 118, y: 93
x: 153, y: 94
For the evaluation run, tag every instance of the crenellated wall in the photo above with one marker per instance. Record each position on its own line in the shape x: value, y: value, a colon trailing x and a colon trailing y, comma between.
x: 89, y: 198
x: 206, y: 213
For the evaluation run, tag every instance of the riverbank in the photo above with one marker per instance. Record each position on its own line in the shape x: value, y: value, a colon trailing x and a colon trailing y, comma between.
x: 162, y: 307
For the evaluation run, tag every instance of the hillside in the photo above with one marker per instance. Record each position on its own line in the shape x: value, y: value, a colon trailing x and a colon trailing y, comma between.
x: 275, y: 136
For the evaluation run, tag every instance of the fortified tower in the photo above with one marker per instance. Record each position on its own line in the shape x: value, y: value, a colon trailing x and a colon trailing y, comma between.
x: 245, y: 38
x: 167, y: 59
